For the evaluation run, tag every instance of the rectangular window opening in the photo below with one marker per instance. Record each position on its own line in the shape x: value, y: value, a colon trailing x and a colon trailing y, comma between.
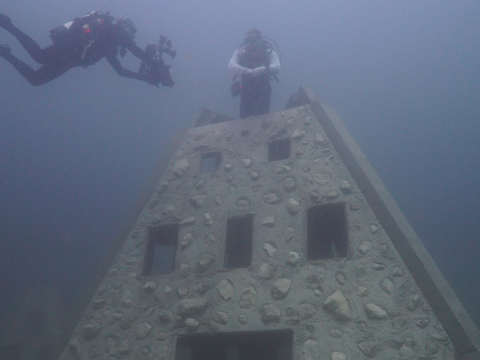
x: 327, y: 236
x: 210, y: 162
x: 238, y: 244
x: 278, y: 149
x: 254, y: 345
x: 161, y: 250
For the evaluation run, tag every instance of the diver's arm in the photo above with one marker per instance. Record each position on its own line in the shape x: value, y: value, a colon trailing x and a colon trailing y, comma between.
x: 112, y: 60
x: 274, y: 66
x: 139, y: 53
x: 235, y: 67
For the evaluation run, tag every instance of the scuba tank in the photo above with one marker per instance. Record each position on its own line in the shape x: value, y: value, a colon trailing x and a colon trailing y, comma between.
x: 65, y: 33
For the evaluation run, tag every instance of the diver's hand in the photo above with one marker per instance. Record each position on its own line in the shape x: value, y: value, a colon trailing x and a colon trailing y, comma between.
x: 259, y: 71
x: 248, y: 72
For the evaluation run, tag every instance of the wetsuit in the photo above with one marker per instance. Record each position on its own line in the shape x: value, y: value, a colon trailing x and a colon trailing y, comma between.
x: 255, y: 72
x: 84, y: 51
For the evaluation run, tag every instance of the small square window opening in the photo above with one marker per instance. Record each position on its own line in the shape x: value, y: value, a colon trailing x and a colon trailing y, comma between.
x: 161, y: 250
x: 210, y: 162
x: 238, y: 244
x: 278, y: 149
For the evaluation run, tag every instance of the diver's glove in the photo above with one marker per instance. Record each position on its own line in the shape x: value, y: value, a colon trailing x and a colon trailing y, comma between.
x: 259, y: 70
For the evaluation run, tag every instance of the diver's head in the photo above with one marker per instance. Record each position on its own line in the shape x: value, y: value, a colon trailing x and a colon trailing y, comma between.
x: 128, y: 26
x: 253, y: 42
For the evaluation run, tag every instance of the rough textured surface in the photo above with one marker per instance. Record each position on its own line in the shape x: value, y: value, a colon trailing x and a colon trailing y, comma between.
x: 366, y: 305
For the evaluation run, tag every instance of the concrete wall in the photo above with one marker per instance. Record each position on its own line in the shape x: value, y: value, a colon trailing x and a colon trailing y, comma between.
x: 364, y: 306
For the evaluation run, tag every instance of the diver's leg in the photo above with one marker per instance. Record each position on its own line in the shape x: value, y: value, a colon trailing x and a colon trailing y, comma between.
x: 264, y: 101
x: 27, y: 42
x: 43, y: 75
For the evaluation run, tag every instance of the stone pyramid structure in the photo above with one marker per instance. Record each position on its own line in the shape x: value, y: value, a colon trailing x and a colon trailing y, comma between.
x: 270, y: 238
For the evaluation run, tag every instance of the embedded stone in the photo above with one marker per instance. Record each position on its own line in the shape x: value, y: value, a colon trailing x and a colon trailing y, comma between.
x: 220, y: 317
x: 282, y: 169
x: 365, y: 247
x: 143, y: 330
x: 341, y: 279
x: 289, y: 234
x: 338, y: 305
x: 298, y: 134
x: 130, y: 278
x: 246, y: 163
x: 361, y: 271
x: 266, y: 271
x: 315, y: 196
x: 132, y: 260
x: 191, y: 306
x: 191, y: 324
x: 269, y: 221
x: 161, y: 336
x: 289, y: 184
x: 314, y: 282
x: 218, y: 201
x: 355, y: 204
x: 126, y: 323
x: 271, y: 199
x: 186, y: 240
x: 149, y: 286
x: 204, y: 286
x: 280, y: 288
x: 254, y: 175
x: 243, y: 202
x: 336, y: 355
x: 228, y: 167
x: 399, y: 322
x: 397, y: 272
x: 328, y: 159
x: 113, y: 318
x: 387, y: 286
x: 270, y: 249
x: 362, y: 291
x: 124, y: 348
x: 248, y: 298
x: 210, y: 239
x: 90, y: 331
x: 242, y: 319
x: 293, y: 206
x: 180, y: 167
x: 306, y: 311
x: 430, y: 347
x: 75, y: 349
x: 323, y: 178
x: 373, y: 229
x: 370, y: 348
x: 270, y: 313
x: 378, y: 266
x: 375, y: 312
x: 165, y: 316
x: 187, y: 221
x: 413, y: 301
x: 232, y: 188
x: 332, y: 195
x: 299, y: 152
x: 310, y: 350
x: 209, y: 218
x: 225, y: 289
x: 204, y: 263
x: 111, y: 344
x: 167, y: 289
x: 126, y: 299
x: 319, y: 139
x: 407, y: 348
x: 423, y: 323
x: 182, y: 290
x: 99, y: 303
x: 199, y: 184
x: 345, y: 186
x: 335, y: 333
x: 197, y: 200
x: 293, y: 258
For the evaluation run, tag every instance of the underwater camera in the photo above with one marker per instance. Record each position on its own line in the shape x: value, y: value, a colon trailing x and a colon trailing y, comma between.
x: 165, y: 46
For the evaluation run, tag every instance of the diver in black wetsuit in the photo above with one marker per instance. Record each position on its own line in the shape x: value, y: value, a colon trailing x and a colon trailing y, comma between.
x: 82, y: 42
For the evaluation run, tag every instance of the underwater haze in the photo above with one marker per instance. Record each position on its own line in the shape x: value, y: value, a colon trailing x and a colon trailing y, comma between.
x: 75, y: 153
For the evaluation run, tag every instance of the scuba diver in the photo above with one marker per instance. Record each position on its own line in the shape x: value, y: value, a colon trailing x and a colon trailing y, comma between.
x: 81, y: 42
x: 257, y: 64
x: 157, y: 69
